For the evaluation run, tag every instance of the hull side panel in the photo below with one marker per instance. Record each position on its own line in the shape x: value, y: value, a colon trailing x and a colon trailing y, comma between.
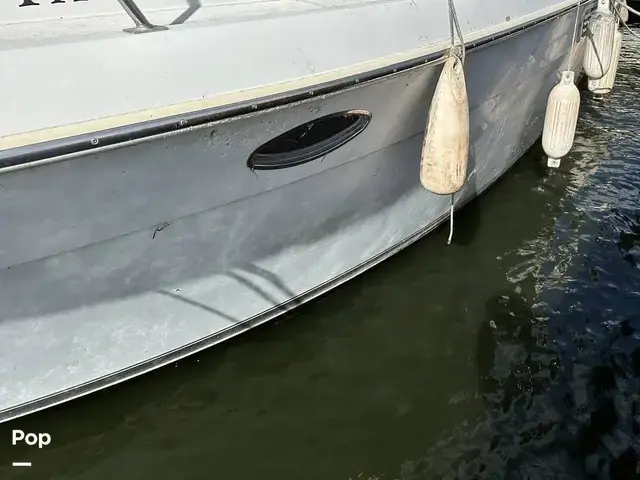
x: 164, y: 244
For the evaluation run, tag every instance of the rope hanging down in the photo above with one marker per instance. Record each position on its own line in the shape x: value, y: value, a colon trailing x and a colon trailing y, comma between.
x: 635, y: 12
x: 454, y: 28
x: 575, y: 32
x: 624, y: 5
x: 454, y: 23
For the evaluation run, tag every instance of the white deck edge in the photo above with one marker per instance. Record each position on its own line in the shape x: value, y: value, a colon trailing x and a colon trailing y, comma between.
x: 228, y: 98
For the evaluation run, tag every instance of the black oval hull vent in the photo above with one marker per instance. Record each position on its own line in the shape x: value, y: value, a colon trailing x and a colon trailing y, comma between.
x: 309, y: 141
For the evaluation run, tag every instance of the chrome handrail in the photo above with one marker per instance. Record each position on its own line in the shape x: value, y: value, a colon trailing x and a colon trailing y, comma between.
x: 142, y: 24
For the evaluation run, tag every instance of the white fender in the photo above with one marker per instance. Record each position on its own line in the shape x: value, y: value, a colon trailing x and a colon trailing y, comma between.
x: 445, y: 147
x: 599, y: 46
x: 561, y: 119
x: 605, y: 84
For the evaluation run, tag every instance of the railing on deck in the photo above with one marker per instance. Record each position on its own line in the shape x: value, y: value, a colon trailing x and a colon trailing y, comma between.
x: 142, y: 24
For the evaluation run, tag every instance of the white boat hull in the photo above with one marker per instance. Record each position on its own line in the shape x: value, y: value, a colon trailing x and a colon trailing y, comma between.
x: 119, y: 261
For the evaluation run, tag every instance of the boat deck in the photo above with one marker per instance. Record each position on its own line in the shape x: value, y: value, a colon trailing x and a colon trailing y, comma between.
x: 78, y: 65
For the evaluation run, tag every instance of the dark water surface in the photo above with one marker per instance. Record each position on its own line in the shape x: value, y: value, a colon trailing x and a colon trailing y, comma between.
x: 512, y: 353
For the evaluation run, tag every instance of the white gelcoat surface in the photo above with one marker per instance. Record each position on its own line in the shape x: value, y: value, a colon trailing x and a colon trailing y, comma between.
x: 90, y: 287
x: 68, y: 63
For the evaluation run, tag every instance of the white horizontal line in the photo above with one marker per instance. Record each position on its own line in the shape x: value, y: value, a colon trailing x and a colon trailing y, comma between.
x: 21, y: 464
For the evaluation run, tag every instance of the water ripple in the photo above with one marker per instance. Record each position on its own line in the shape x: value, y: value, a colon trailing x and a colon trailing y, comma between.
x: 561, y: 376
